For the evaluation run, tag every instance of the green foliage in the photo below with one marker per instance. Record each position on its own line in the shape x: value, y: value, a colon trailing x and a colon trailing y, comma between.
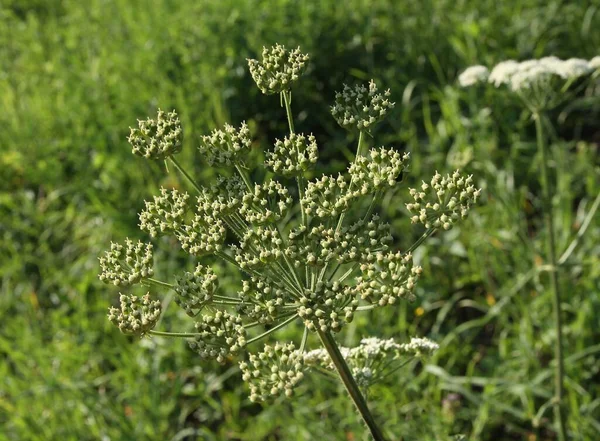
x: 74, y: 76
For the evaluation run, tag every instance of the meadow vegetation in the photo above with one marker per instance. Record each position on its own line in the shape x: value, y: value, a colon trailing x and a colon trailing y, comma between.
x: 74, y: 76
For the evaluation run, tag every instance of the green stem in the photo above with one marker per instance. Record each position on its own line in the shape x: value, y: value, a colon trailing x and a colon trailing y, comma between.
x: 173, y: 334
x: 559, y: 410
x: 287, y: 99
x: 245, y: 177
x: 184, y: 173
x: 359, y: 152
x: 419, y: 241
x: 273, y: 329
x: 584, y: 226
x: 350, y: 384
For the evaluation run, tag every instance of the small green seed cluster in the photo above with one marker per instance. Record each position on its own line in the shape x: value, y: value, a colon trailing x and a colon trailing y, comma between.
x: 219, y: 336
x: 380, y: 168
x: 259, y: 247
x: 444, y: 201
x: 361, y: 107
x: 387, y: 277
x: 165, y: 214
x: 136, y: 316
x: 318, y: 245
x: 195, y: 290
x: 268, y: 203
x: 223, y: 199
x: 126, y: 265
x: 275, y: 370
x: 328, y: 306
x: 226, y: 147
x: 328, y: 196
x: 261, y: 299
x: 205, y: 235
x: 157, y: 139
x: 294, y: 155
x: 278, y: 69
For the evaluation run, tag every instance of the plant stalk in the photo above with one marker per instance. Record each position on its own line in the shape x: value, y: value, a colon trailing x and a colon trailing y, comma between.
x: 350, y: 383
x: 559, y: 411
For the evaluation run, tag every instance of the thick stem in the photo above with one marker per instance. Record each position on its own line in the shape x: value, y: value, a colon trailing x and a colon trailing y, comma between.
x: 350, y: 384
x: 186, y: 174
x: 559, y: 411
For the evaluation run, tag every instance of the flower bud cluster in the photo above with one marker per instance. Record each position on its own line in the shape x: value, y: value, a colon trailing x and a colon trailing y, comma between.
x: 259, y: 247
x: 274, y: 371
x: 136, y: 316
x: 157, y: 139
x: 165, y: 214
x: 294, y: 155
x: 266, y: 204
x: 473, y: 75
x: 226, y: 147
x: 361, y: 107
x: 378, y: 169
x: 224, y: 198
x: 278, y: 69
x: 328, y: 306
x: 194, y: 290
x: 443, y: 201
x: 387, y: 277
x: 205, y: 235
x: 219, y: 336
x: 126, y: 265
x: 327, y: 196
x: 418, y: 346
x: 262, y: 300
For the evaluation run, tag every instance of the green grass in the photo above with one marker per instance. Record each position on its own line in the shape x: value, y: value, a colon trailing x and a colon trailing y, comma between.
x: 75, y: 76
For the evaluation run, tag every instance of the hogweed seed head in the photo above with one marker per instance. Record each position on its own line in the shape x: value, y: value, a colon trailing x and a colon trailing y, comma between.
x: 361, y: 107
x: 195, y: 290
x: 274, y: 371
x: 165, y: 214
x: 219, y: 336
x: 157, y: 138
x: 125, y: 265
x: 136, y: 315
x: 222, y: 199
x: 294, y: 155
x: 443, y: 201
x: 205, y: 235
x: 261, y: 299
x: 328, y: 306
x: 328, y: 196
x: 268, y: 203
x: 378, y: 169
x: 278, y: 69
x: 226, y: 147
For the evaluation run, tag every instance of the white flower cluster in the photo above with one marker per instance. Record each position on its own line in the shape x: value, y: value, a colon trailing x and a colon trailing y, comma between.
x: 219, y: 336
x: 194, y: 290
x: 473, y: 75
x: 376, y: 170
x: 261, y: 300
x: 268, y: 203
x: 136, y: 316
x: 157, y: 139
x: 294, y: 155
x: 371, y: 360
x: 205, y: 235
x: 165, y: 213
x: 227, y: 146
x: 126, y: 265
x: 278, y: 69
x: 275, y: 370
x: 442, y: 202
x: 361, y: 107
x: 524, y: 75
x: 418, y: 346
x: 387, y: 277
x: 328, y: 306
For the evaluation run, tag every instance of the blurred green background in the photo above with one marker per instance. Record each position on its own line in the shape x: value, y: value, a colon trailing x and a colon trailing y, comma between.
x: 75, y: 75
